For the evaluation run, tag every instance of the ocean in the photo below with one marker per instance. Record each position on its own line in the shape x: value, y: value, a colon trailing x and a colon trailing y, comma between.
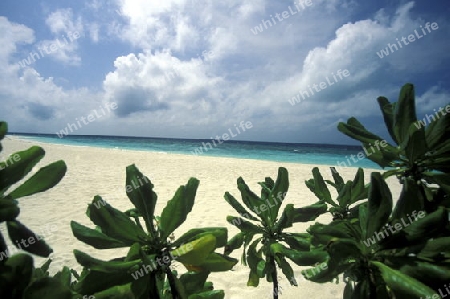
x: 322, y: 154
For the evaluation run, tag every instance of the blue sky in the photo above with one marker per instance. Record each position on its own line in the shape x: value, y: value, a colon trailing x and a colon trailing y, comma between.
x: 194, y: 68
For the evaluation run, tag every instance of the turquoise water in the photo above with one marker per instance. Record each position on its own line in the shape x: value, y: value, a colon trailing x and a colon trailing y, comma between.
x: 322, y: 154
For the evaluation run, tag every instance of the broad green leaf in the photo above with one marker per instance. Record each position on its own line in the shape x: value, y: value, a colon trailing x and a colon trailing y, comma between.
x: 221, y: 234
x: 379, y: 204
x: 47, y: 288
x: 140, y: 192
x: 103, y: 266
x: 429, y: 225
x: 97, y: 281
x: 195, y: 252
x: 410, y: 200
x: 387, y: 109
x: 234, y: 243
x: 306, y: 258
x: 177, y: 209
x: 277, y: 194
x: 238, y: 207
x: 9, y: 210
x: 354, y: 129
x: 436, y: 248
x: 358, y: 189
x: 214, y: 294
x: 299, y: 242
x: 116, y: 292
x: 320, y: 187
x: 286, y: 218
x: 19, y: 165
x: 216, y: 262
x: 398, y: 281
x: 24, y: 238
x: 94, y: 238
x: 286, y: 269
x: 46, y: 177
x: 404, y: 113
x: 244, y: 226
x: 114, y: 223
x: 252, y: 201
x: 338, y: 180
x: 437, y: 131
x: 194, y: 281
x: 416, y: 146
x: 309, y: 213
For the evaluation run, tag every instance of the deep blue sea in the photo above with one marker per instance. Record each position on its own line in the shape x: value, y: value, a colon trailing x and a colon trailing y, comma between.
x: 323, y: 154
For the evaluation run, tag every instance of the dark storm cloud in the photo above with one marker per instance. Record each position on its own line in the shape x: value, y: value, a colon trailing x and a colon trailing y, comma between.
x: 135, y: 100
x: 40, y: 111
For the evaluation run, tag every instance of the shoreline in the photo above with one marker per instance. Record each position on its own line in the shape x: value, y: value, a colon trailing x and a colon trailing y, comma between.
x: 31, y: 140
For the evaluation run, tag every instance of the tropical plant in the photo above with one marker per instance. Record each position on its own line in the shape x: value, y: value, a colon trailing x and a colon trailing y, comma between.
x: 145, y: 272
x: 385, y: 250
x: 420, y: 157
x: 18, y: 277
x: 266, y: 243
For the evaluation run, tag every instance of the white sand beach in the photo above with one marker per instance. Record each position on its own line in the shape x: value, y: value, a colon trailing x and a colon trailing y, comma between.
x: 98, y: 171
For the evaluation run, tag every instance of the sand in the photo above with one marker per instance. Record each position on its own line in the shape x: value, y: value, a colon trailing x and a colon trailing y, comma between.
x: 98, y: 171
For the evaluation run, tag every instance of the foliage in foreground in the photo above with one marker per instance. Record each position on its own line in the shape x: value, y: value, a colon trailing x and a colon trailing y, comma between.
x: 266, y: 245
x: 145, y: 272
x: 386, y: 250
x: 18, y: 276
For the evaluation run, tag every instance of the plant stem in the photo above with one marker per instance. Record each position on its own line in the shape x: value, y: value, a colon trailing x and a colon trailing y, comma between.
x: 275, y: 280
x: 173, y: 288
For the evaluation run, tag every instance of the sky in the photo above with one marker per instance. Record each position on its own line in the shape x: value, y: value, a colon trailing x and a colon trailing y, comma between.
x: 199, y: 68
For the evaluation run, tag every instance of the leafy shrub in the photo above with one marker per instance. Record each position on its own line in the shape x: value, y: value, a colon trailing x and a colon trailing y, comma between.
x: 18, y: 277
x: 266, y: 245
x: 137, y: 274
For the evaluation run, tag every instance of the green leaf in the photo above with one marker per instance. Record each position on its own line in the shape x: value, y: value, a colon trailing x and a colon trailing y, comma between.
x: 19, y: 165
x: 354, y: 129
x: 338, y: 180
x: 234, y: 243
x: 404, y: 113
x: 387, y: 109
x: 379, y: 204
x: 29, y: 241
x: 177, y: 209
x: 410, y: 200
x: 252, y: 201
x: 238, y: 207
x: 320, y: 187
x: 429, y: 225
x: 358, y: 190
x: 215, y: 294
x: 194, y: 282
x: 221, y: 234
x: 416, y: 146
x: 299, y: 242
x: 47, y: 177
x: 94, y: 238
x: 306, y: 258
x: 103, y: 266
x: 286, y: 218
x: 47, y: 288
x: 398, y: 281
x: 244, y: 226
x: 278, y: 193
x: 309, y: 213
x: 9, y: 210
x: 114, y: 223
x: 97, y: 281
x: 216, y: 262
x: 286, y: 269
x: 140, y: 192
x: 438, y: 131
x: 195, y: 252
